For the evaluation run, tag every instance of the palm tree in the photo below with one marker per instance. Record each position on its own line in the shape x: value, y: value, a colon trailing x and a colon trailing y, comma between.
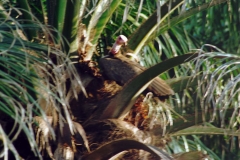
x: 54, y: 96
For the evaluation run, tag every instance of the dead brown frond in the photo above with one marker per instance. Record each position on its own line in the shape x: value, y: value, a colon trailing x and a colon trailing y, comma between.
x: 67, y: 144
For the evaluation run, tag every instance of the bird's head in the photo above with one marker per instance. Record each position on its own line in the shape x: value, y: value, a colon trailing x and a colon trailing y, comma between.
x: 121, y: 40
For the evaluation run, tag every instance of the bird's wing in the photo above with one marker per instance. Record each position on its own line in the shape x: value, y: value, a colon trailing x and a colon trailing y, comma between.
x: 118, y: 70
x: 121, y: 69
x: 160, y: 87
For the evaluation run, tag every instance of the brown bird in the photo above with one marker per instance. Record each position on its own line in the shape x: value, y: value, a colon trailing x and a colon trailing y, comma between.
x: 122, y: 69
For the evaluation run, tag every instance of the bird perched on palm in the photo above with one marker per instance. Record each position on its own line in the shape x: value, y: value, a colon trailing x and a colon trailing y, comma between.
x: 122, y: 69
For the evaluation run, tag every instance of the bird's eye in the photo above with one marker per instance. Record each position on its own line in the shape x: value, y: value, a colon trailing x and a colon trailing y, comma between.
x: 120, y: 38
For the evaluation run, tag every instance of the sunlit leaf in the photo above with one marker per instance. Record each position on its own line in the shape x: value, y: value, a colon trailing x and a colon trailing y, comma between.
x: 196, y: 130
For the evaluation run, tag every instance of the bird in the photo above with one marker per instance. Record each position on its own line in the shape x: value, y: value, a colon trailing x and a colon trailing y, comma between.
x: 121, y: 69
